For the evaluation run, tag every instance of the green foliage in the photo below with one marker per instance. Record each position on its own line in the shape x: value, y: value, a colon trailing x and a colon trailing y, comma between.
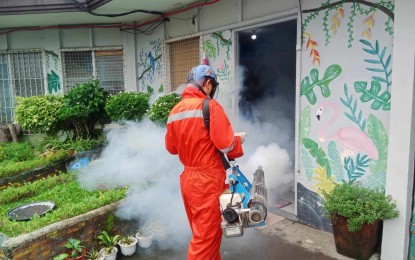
x: 64, y: 190
x: 379, y: 59
x: 108, y: 241
x: 350, y: 24
x: 335, y: 162
x: 305, y: 123
x: 352, y: 106
x: 306, y: 163
x: 161, y: 107
x: 77, y: 145
x: 16, y: 152
x: 372, y: 94
x: 359, y: 205
x: 74, y: 245
x: 11, y: 168
x: 54, y: 84
x: 127, y: 240
x: 379, y: 136
x: 84, y: 106
x: 356, y: 170
x: 209, y: 49
x: 127, y: 106
x: 38, y: 113
x: 307, y: 87
x: 318, y: 154
x: 93, y: 254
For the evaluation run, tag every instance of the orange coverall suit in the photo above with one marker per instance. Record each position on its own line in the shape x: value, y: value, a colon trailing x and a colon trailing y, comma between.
x: 203, y: 178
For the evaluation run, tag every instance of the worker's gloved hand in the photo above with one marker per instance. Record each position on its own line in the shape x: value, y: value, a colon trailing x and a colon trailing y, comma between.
x: 242, y: 135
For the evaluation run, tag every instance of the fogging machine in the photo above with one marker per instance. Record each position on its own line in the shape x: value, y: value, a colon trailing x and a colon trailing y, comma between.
x: 245, y: 204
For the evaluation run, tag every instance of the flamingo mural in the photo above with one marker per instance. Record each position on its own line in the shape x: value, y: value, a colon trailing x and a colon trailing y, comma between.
x: 352, y: 138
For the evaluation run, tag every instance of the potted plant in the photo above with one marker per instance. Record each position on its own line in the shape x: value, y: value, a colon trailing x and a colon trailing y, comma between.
x: 109, y: 242
x: 75, y: 251
x: 128, y: 245
x: 94, y: 255
x: 356, y: 213
x: 145, y: 236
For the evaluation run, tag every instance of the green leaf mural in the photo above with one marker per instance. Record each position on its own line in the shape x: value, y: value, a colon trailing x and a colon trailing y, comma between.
x: 54, y: 84
x: 210, y: 49
x: 381, y: 101
x: 375, y: 181
x: 352, y: 106
x: 379, y: 60
x: 318, y: 154
x: 306, y: 163
x: 307, y: 87
x: 161, y: 88
x: 150, y: 90
x: 356, y: 170
x: 305, y: 122
x: 379, y: 136
x: 335, y: 162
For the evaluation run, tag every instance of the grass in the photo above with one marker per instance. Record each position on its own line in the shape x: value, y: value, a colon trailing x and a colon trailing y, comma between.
x: 11, y: 168
x: 64, y: 190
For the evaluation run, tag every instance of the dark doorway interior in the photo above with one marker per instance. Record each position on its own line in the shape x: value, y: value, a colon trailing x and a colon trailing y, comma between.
x: 267, y: 94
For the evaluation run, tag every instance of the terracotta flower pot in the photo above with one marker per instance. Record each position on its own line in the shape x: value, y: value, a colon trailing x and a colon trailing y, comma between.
x: 81, y: 257
x: 360, y: 244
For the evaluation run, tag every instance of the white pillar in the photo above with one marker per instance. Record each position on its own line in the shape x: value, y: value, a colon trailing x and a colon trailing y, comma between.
x: 400, y: 171
x: 130, y: 55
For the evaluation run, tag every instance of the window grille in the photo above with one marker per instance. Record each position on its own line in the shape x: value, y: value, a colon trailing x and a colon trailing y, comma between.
x: 21, y: 74
x: 105, y: 65
x: 184, y: 55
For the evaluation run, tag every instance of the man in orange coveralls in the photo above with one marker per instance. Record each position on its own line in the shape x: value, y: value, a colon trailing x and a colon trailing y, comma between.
x: 203, y: 178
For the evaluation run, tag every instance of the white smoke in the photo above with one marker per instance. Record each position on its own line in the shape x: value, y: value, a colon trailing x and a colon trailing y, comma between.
x: 135, y: 156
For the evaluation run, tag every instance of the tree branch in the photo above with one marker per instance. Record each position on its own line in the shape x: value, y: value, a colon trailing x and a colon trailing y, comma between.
x: 142, y: 74
x: 378, y: 6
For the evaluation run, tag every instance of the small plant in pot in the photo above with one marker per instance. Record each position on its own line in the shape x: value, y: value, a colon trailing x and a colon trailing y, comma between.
x: 145, y: 236
x: 94, y: 255
x: 357, y: 213
x: 75, y: 251
x: 128, y: 245
x: 109, y: 242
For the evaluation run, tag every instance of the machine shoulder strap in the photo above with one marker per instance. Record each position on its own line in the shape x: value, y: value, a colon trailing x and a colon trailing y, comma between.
x: 206, y: 120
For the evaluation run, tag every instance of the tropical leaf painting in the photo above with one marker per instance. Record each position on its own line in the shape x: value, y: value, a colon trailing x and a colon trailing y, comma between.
x: 306, y: 163
x: 374, y: 181
x: 210, y: 49
x: 335, y: 162
x: 356, y: 170
x: 161, y: 88
x: 379, y: 136
x: 150, y: 90
x: 305, y: 123
x: 380, y: 63
x: 318, y: 154
x: 308, y: 83
x: 323, y: 183
x: 54, y: 84
x: 352, y: 106
x: 379, y: 101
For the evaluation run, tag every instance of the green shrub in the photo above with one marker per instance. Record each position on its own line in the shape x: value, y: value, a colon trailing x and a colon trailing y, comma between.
x: 160, y: 108
x: 38, y: 113
x: 71, y: 145
x: 128, y: 106
x: 359, y: 205
x: 16, y: 152
x: 64, y: 190
x: 84, y: 106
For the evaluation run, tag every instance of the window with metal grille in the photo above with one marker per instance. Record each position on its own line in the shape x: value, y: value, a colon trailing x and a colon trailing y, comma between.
x: 184, y: 55
x: 105, y: 65
x: 21, y: 74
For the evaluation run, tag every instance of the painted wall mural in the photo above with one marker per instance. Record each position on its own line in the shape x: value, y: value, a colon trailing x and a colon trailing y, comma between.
x: 53, y: 64
x: 150, y: 67
x: 345, y: 99
x: 217, y: 49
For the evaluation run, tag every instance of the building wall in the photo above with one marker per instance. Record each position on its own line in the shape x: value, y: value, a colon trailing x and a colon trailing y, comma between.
x: 345, y: 90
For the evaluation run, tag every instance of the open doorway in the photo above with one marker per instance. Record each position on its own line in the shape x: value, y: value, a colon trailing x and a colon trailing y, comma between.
x: 267, y: 69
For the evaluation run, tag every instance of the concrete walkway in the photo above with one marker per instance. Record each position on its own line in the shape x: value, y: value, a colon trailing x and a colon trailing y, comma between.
x: 281, y: 238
